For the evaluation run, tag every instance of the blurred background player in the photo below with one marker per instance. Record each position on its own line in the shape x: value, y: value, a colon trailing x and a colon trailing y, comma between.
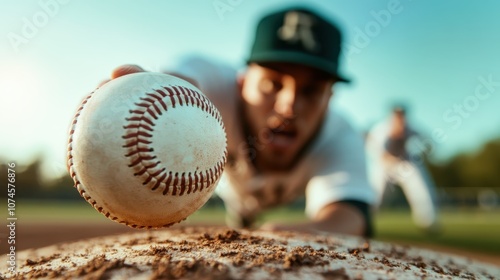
x: 284, y: 139
x: 395, y: 158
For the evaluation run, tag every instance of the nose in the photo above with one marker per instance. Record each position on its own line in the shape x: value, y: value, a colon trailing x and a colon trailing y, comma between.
x: 286, y: 102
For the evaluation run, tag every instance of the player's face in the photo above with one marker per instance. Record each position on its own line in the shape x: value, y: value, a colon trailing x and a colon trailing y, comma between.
x: 283, y: 106
x: 399, y: 119
x: 398, y: 124
x: 400, y: 116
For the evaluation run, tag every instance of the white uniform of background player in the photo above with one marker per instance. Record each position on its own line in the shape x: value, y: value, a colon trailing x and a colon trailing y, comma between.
x: 332, y: 169
x: 393, y: 158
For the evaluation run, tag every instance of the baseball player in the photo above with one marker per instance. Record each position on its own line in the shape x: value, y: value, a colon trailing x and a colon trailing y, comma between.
x: 395, y: 158
x: 284, y: 139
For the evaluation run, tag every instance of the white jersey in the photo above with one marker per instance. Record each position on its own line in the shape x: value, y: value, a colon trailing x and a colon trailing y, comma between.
x: 402, y: 169
x: 379, y: 142
x: 333, y: 169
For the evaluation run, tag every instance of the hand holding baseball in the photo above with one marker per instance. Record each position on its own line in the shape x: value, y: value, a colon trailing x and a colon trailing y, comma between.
x: 146, y: 149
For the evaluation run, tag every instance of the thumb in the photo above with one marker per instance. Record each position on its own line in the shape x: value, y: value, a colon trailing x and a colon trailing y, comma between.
x: 125, y: 70
x: 122, y: 71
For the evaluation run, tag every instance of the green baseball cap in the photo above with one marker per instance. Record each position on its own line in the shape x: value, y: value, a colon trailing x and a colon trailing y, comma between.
x: 298, y: 35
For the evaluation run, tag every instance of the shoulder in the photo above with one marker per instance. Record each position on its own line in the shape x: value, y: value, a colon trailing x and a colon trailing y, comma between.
x: 338, y: 166
x: 378, y: 133
x: 337, y: 132
x: 198, y: 64
x: 381, y: 127
x: 338, y: 146
x: 214, y: 77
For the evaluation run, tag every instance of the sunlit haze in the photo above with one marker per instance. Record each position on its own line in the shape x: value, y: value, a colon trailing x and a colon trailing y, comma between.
x: 441, y: 57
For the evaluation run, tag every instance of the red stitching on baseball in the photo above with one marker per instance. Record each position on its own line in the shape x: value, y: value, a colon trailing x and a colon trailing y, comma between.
x: 70, y: 141
x: 190, y: 183
x: 176, y: 180
x: 179, y: 94
x: 171, y: 95
x: 139, y: 132
x: 147, y: 127
x: 167, y: 183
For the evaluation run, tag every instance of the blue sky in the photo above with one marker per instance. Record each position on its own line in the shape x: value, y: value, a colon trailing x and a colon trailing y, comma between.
x: 442, y: 57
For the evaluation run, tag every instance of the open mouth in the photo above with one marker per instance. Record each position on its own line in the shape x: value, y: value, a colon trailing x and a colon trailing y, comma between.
x: 282, y: 138
x: 284, y: 133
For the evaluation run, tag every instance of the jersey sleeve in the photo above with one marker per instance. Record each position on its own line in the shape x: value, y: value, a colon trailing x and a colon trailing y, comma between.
x: 339, y: 168
x: 215, y: 79
x: 218, y: 82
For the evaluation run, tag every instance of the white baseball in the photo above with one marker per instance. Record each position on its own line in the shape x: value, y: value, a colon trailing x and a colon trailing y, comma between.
x: 146, y: 149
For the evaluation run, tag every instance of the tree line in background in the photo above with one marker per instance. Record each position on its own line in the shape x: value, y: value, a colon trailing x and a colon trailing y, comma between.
x: 472, y: 171
x: 475, y: 170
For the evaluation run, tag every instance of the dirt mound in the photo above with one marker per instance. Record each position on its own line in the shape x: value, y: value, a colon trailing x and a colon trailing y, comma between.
x: 223, y: 253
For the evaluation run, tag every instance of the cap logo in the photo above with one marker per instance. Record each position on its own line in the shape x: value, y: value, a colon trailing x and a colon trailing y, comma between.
x: 298, y: 27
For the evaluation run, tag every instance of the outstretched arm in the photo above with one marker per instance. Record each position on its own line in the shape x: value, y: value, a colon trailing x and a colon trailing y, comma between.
x: 337, y: 217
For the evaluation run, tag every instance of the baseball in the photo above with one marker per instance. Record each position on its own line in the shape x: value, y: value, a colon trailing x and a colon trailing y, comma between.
x: 146, y: 149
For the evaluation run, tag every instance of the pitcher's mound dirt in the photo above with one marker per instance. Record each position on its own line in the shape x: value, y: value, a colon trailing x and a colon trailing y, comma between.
x: 223, y: 253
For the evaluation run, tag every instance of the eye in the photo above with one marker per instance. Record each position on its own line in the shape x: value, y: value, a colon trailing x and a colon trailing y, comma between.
x: 269, y: 86
x: 312, y: 92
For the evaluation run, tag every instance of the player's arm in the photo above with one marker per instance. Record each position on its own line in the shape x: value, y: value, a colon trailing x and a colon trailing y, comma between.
x: 338, y: 195
x: 343, y: 217
x: 349, y: 217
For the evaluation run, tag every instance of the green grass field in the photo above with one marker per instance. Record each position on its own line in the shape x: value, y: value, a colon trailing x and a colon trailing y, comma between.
x: 465, y: 229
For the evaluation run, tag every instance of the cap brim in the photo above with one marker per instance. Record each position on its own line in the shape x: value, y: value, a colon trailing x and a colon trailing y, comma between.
x: 298, y: 58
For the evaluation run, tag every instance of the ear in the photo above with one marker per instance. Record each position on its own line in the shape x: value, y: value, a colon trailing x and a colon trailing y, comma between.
x: 240, y: 80
x: 331, y: 90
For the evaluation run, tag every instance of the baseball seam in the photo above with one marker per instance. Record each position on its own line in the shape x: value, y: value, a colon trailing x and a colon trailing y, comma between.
x: 138, y: 138
x: 78, y: 185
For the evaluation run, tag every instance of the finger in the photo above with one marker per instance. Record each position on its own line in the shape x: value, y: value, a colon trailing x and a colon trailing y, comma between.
x: 125, y: 70
x: 269, y: 227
